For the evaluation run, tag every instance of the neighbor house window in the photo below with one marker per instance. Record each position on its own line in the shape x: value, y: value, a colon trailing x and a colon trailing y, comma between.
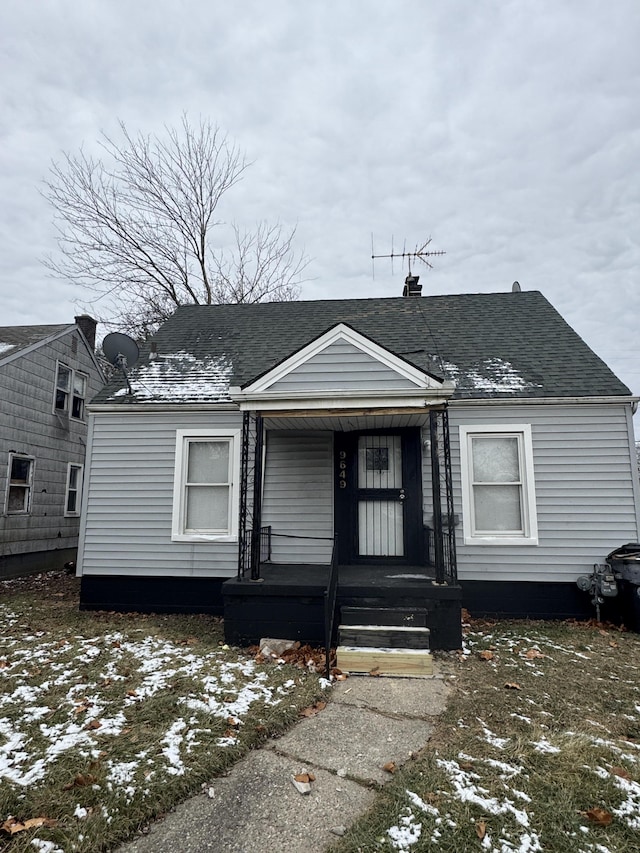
x: 205, y: 486
x: 19, y: 485
x: 498, y: 490
x: 74, y: 490
x: 71, y: 390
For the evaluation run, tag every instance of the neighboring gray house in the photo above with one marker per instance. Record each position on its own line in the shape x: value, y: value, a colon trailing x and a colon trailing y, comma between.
x: 438, y: 451
x: 47, y: 375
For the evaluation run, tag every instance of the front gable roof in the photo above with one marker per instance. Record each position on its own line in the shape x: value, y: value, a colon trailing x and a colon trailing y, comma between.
x: 374, y: 356
x: 491, y: 345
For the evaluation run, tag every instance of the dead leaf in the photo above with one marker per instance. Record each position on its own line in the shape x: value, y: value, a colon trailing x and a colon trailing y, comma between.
x: 13, y: 825
x: 533, y: 653
x: 82, y: 707
x: 92, y: 725
x: 390, y: 767
x: 233, y: 721
x: 511, y: 685
x: 375, y: 671
x: 622, y: 772
x: 599, y: 816
x: 314, y: 709
x: 481, y: 829
x: 304, y: 777
x: 4, y: 664
x: 486, y: 655
x: 613, y: 644
x: 81, y: 780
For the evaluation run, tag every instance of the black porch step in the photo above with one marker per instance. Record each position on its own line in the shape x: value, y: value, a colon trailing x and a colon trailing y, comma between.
x: 383, y: 636
x: 407, y: 617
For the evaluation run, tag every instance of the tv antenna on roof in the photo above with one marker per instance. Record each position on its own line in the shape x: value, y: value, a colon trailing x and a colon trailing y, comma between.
x: 420, y: 253
x: 122, y: 351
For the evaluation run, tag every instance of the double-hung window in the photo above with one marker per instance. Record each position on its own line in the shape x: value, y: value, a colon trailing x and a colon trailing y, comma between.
x: 74, y: 490
x: 498, y: 489
x: 205, y: 496
x: 19, y: 485
x: 71, y: 391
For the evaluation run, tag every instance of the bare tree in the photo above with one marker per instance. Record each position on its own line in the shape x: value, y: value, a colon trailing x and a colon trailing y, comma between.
x: 137, y: 229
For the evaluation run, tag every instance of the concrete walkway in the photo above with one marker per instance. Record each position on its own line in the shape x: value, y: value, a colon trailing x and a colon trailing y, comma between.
x: 370, y: 722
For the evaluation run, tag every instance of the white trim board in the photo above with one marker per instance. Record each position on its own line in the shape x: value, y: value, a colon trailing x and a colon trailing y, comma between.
x: 340, y: 332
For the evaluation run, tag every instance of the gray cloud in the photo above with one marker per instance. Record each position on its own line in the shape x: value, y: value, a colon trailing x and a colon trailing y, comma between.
x: 510, y: 132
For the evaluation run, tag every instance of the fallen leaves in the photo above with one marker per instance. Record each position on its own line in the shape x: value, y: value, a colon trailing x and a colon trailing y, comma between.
x: 314, y: 709
x: 481, y: 829
x: 390, y: 767
x: 599, y: 816
x: 512, y: 685
x: 622, y: 772
x: 81, y: 780
x: 12, y: 825
x: 532, y: 654
x: 485, y: 654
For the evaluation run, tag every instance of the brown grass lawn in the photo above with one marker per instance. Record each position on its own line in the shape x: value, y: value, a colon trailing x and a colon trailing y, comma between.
x: 538, y: 750
x: 107, y: 720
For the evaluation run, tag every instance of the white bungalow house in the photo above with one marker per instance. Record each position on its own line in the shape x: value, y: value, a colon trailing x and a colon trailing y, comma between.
x: 368, y: 459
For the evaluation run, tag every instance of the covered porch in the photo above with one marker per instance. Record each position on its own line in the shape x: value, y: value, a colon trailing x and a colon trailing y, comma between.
x: 346, y: 501
x: 298, y: 570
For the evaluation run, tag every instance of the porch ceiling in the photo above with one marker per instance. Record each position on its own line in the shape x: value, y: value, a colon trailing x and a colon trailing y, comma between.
x: 346, y: 422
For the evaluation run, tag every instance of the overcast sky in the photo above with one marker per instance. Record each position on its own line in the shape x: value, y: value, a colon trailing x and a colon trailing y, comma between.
x: 509, y: 132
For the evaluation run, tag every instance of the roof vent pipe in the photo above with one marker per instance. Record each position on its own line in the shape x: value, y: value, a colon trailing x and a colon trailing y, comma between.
x: 411, y: 286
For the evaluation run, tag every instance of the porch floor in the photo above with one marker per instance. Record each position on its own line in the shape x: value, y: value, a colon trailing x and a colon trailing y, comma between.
x: 288, y: 601
x: 295, y: 579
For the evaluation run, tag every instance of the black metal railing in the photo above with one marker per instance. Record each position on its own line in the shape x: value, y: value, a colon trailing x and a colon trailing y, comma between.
x: 257, y: 550
x: 330, y: 598
x: 442, y: 542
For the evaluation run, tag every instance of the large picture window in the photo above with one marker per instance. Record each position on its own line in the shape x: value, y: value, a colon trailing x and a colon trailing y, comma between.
x: 205, y: 485
x: 19, y: 485
x: 498, y: 490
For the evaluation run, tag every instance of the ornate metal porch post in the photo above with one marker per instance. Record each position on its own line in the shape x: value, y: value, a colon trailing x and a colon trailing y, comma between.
x: 444, y: 532
x: 250, y: 495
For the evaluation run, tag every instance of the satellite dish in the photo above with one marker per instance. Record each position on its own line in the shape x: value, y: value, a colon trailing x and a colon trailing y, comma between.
x: 515, y: 287
x: 122, y: 351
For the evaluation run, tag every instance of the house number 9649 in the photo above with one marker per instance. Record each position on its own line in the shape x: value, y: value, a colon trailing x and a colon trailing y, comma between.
x: 342, y: 473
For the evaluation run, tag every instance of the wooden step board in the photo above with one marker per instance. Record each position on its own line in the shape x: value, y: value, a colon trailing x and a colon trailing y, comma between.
x: 384, y: 636
x: 385, y: 661
x: 410, y: 617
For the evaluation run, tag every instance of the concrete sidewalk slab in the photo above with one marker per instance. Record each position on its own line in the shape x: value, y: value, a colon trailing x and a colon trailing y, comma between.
x: 256, y: 808
x: 370, y: 722
x: 411, y: 697
x: 358, y: 741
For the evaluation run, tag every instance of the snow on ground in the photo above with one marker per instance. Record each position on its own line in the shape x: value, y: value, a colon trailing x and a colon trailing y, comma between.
x: 418, y: 820
x: 49, y: 707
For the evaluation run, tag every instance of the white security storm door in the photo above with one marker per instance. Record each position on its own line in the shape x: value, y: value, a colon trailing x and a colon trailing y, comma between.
x: 380, y: 496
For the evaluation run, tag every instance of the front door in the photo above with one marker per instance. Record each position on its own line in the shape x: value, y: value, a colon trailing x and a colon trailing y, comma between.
x: 379, y: 496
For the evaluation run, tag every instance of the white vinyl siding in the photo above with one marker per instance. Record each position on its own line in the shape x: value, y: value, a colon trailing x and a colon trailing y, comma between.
x: 129, y: 497
x: 205, y: 500
x: 585, y: 484
x: 298, y: 495
x: 498, y: 489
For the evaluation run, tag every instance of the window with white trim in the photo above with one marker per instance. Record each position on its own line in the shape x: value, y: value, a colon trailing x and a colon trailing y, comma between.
x: 19, y: 484
x: 73, y: 491
x: 205, y: 495
x: 70, y: 392
x: 498, y: 489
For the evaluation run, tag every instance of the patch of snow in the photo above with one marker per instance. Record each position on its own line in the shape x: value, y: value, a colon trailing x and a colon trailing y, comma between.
x: 406, y: 832
x: 183, y: 377
x: 543, y: 745
x: 45, y: 846
x: 4, y: 347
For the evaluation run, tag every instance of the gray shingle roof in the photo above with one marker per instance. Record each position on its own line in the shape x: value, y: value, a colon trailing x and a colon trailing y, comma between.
x: 15, y: 338
x: 493, y: 345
